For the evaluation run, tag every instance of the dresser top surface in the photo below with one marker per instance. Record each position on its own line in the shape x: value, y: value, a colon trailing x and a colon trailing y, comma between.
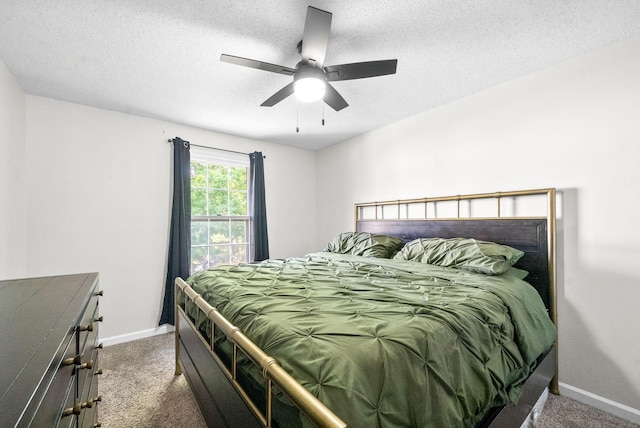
x: 37, y: 320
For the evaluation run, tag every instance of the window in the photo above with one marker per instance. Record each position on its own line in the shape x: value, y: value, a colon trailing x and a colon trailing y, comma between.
x: 219, y: 208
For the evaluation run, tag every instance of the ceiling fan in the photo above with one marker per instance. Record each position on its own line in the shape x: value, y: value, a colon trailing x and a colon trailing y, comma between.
x: 310, y: 77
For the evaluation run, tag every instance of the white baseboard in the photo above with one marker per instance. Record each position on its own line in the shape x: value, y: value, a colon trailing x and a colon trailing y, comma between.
x: 604, y: 404
x: 163, y: 329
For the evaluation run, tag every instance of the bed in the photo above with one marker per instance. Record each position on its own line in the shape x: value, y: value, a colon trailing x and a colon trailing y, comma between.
x: 396, y: 333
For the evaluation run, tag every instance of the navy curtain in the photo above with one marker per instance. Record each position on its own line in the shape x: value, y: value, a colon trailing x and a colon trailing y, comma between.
x: 180, y: 233
x: 258, y: 207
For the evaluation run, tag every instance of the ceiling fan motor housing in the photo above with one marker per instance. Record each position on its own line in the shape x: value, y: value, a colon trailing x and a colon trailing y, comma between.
x: 306, y: 71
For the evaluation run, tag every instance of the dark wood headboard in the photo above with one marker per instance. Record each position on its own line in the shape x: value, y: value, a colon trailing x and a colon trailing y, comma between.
x: 526, y: 234
x: 534, y: 234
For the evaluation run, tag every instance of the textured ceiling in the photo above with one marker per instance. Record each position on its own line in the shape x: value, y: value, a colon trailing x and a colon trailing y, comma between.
x: 160, y: 58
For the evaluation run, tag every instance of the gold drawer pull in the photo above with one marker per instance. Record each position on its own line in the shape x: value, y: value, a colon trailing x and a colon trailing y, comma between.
x: 93, y: 400
x: 87, y: 365
x: 99, y: 293
x: 77, y: 360
x: 75, y: 410
x: 97, y: 425
x: 100, y: 346
x: 99, y: 372
x: 90, y: 326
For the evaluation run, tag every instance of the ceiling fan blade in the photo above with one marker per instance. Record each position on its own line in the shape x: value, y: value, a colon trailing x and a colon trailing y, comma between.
x: 333, y: 98
x: 252, y: 63
x: 278, y: 96
x: 315, y: 37
x: 361, y: 70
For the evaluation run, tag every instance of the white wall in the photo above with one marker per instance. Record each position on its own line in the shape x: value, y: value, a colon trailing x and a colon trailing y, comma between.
x: 576, y: 127
x: 12, y: 177
x: 98, y: 186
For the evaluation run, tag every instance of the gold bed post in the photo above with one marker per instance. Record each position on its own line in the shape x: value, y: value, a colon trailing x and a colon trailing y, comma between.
x: 551, y: 230
x: 176, y: 329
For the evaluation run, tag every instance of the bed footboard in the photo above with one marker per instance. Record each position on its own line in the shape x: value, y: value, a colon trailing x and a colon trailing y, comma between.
x: 223, y: 401
x: 220, y: 404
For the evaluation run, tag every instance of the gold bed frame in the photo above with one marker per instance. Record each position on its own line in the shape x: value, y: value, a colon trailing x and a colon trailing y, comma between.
x: 274, y: 373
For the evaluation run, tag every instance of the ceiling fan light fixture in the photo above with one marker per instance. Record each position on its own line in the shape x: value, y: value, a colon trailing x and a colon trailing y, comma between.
x: 309, y: 89
x: 309, y: 83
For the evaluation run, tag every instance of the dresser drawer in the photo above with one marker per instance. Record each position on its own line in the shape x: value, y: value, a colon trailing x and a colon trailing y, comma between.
x: 88, y: 418
x: 88, y: 376
x: 88, y: 327
x: 60, y: 394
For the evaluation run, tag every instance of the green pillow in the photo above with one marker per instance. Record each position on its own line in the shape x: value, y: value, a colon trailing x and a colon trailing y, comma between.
x: 364, y: 244
x: 518, y: 273
x: 461, y: 253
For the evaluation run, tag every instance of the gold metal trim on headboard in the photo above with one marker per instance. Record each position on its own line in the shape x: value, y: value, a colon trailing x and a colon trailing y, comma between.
x: 551, y: 229
x: 457, y: 198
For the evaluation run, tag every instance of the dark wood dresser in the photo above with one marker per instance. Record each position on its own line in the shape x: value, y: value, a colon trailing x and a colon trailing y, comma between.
x: 49, y: 351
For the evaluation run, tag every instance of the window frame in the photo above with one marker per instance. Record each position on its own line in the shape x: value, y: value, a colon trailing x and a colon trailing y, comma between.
x: 211, y: 156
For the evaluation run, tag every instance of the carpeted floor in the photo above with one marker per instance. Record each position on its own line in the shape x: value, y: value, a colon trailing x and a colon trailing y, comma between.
x: 562, y: 412
x: 139, y: 390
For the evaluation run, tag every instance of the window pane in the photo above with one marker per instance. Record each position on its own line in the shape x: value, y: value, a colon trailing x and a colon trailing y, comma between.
x: 219, y: 254
x: 199, y: 259
x: 219, y: 232
x: 238, y: 254
x: 218, y: 177
x: 238, y: 178
x: 218, y: 202
x: 198, y: 202
x: 199, y: 234
x: 238, y: 232
x: 198, y: 174
x: 238, y: 203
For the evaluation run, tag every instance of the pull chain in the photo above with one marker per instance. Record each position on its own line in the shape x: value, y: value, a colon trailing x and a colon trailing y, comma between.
x: 297, y: 117
x: 322, y: 114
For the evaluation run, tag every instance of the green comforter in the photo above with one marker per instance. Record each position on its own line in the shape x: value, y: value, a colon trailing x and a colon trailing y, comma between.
x: 388, y: 343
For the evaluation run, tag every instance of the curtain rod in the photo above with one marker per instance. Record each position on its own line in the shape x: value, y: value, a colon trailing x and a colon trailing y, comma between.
x: 170, y: 140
